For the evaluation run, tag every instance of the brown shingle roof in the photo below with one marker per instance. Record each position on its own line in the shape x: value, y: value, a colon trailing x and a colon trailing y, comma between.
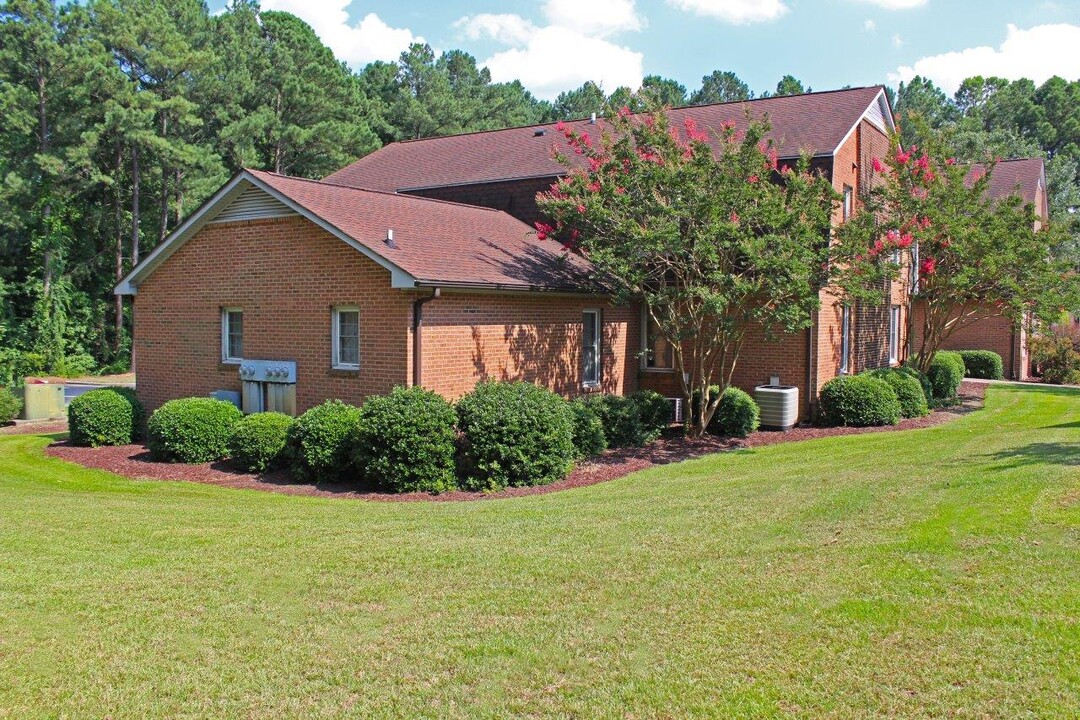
x: 439, y: 242
x: 817, y: 122
x: 1020, y: 176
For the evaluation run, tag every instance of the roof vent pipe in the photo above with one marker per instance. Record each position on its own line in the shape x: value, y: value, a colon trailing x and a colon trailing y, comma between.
x: 390, y: 238
x: 538, y: 132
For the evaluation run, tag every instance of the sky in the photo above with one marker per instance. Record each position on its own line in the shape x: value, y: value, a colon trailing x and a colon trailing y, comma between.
x: 556, y: 45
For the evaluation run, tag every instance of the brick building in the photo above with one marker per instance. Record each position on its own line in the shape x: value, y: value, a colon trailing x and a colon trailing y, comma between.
x: 983, y: 327
x: 417, y: 264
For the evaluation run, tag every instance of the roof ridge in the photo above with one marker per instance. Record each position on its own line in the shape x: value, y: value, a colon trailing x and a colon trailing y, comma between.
x: 582, y: 119
x: 378, y: 192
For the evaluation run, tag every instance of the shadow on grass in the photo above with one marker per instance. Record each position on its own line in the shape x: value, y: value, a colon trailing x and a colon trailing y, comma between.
x: 1075, y: 424
x: 1045, y: 453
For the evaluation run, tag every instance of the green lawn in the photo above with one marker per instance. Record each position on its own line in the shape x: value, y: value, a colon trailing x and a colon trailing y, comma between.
x: 925, y: 573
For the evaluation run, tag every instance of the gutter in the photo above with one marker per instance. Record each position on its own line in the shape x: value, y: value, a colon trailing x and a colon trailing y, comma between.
x: 506, y: 287
x: 418, y: 342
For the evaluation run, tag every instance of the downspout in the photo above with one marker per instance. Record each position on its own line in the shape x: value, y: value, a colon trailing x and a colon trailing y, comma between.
x: 418, y: 342
x: 810, y: 389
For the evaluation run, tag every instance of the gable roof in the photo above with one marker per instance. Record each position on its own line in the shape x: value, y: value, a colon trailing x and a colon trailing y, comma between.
x: 1022, y: 177
x: 817, y: 122
x: 434, y: 242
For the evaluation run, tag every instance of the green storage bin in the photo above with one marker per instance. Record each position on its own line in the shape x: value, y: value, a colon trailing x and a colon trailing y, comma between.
x: 42, y: 401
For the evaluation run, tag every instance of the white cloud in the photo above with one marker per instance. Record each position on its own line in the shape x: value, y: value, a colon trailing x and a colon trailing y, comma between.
x: 897, y: 4
x: 869, y: 25
x: 370, y: 39
x: 897, y: 41
x: 571, y: 48
x: 1038, y: 53
x: 738, y: 12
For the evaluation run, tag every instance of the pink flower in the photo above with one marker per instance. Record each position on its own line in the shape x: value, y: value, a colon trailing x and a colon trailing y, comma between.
x: 905, y: 241
x: 543, y: 230
x: 586, y: 140
x: 924, y: 223
x: 752, y: 179
x: 560, y: 127
x: 734, y: 217
x: 581, y: 209
x: 690, y: 124
x: 951, y: 161
x: 594, y: 186
x: 879, y: 245
x: 785, y: 170
x: 878, y: 167
x: 928, y: 176
x: 927, y: 266
x: 620, y: 191
x: 594, y: 164
x: 624, y: 111
x: 649, y: 121
x: 902, y: 157
x: 923, y: 163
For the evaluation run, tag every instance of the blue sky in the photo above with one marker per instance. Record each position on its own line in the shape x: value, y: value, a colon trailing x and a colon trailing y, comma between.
x: 554, y: 45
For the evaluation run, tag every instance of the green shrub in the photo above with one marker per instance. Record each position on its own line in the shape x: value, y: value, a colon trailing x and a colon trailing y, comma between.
x: 192, y: 430
x: 515, y: 434
x: 737, y: 415
x: 924, y: 382
x: 76, y: 365
x: 655, y: 412
x: 10, y: 405
x: 621, y: 417
x: 319, y: 441
x: 16, y: 365
x: 859, y: 400
x: 106, y: 416
x: 406, y: 441
x: 259, y: 442
x: 589, y: 438
x: 138, y: 413
x: 909, y: 392
x: 945, y: 374
x: 1056, y: 355
x: 984, y: 364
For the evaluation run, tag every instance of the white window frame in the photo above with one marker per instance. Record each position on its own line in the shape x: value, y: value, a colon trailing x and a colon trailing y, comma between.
x: 645, y: 349
x: 335, y: 331
x: 226, y: 324
x: 845, y: 339
x: 894, y: 334
x: 597, y: 347
x: 849, y: 201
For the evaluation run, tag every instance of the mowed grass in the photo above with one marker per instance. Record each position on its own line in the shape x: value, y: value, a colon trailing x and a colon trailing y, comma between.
x: 912, y: 574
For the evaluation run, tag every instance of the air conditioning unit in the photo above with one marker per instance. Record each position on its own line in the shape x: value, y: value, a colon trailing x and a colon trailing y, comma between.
x: 268, y: 386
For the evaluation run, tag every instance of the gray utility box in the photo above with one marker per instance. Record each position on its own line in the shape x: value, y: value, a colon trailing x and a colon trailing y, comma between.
x: 779, y: 406
x: 42, y: 401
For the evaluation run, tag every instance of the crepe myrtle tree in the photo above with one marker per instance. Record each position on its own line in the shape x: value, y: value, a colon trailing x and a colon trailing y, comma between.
x: 964, y: 254
x: 702, y: 226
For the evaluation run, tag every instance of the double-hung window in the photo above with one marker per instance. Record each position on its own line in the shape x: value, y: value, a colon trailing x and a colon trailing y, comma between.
x: 590, y: 348
x: 232, y: 334
x: 346, y: 338
x: 849, y: 201
x: 656, y: 350
x: 845, y: 338
x: 894, y: 334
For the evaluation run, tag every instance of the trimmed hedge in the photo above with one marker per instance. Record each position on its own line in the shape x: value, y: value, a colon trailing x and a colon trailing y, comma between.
x: 105, y: 416
x: 859, y: 400
x: 319, y: 441
x: 984, y: 364
x: 623, y: 421
x: 655, y: 412
x: 10, y: 405
x: 737, y: 415
x: 192, y: 430
x: 924, y: 382
x: 515, y: 434
x: 406, y: 441
x: 259, y: 442
x: 589, y: 437
x: 945, y: 374
x: 909, y: 392
x: 138, y: 413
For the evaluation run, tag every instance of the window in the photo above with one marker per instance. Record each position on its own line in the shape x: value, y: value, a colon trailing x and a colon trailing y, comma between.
x: 656, y: 351
x: 894, y: 334
x: 346, y: 338
x: 590, y: 348
x: 232, y: 335
x: 848, y: 194
x: 845, y: 339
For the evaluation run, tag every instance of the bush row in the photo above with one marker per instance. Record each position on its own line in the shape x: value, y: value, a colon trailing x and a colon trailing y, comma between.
x: 875, y: 397
x: 412, y: 440
x: 983, y: 364
x: 106, y: 416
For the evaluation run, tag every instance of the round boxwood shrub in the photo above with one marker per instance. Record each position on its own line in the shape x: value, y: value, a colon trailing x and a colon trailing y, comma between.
x: 10, y: 406
x: 859, y: 400
x: 621, y: 419
x: 945, y: 374
x: 924, y: 382
x: 319, y: 441
x: 259, y: 442
x: 737, y: 415
x: 655, y: 412
x: 406, y: 441
x: 515, y: 434
x: 589, y: 438
x: 101, y: 417
x: 909, y: 392
x: 984, y: 364
x: 192, y: 430
x: 138, y: 413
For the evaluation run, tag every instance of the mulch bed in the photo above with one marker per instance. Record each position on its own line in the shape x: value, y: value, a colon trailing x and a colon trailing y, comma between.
x: 134, y: 460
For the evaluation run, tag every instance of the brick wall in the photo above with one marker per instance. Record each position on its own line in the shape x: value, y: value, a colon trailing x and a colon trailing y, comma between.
x: 472, y: 337
x: 988, y: 331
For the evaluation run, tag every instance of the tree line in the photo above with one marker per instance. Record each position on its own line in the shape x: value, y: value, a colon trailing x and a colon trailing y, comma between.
x: 119, y: 117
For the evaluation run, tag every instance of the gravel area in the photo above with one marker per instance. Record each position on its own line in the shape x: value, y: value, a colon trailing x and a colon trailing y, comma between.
x: 134, y: 460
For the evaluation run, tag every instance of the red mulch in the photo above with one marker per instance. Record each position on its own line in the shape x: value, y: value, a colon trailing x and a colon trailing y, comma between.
x: 134, y: 460
x: 48, y: 427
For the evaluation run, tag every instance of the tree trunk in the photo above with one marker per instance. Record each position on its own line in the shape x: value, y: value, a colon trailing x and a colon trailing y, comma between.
x: 178, y: 188
x: 118, y: 300
x: 134, y: 205
x: 163, y: 225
